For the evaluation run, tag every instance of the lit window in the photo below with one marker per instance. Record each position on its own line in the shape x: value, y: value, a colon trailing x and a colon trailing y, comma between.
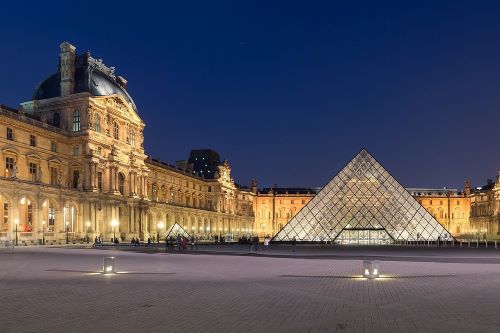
x: 76, y: 121
x: 116, y: 131
x: 52, y: 215
x: 9, y: 166
x: 132, y: 137
x: 97, y: 124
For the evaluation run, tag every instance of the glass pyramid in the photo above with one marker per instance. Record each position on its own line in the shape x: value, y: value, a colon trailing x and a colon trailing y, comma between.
x: 175, y: 230
x: 362, y: 204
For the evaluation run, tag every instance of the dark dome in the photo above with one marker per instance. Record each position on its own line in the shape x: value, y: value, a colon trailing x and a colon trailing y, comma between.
x: 88, y: 78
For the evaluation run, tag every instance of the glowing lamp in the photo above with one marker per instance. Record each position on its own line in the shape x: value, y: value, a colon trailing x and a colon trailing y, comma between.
x: 108, y: 265
x: 371, y: 269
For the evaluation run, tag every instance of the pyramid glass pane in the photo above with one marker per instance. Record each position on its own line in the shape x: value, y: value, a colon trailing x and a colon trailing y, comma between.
x: 175, y: 230
x: 362, y: 204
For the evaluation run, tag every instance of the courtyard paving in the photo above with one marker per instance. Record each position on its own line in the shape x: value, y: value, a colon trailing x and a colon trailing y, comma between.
x: 60, y: 290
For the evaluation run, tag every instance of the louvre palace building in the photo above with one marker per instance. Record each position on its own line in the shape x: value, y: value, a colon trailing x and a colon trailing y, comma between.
x: 73, y: 166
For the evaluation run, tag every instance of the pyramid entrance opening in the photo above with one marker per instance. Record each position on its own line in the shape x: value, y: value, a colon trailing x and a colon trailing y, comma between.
x: 357, y: 236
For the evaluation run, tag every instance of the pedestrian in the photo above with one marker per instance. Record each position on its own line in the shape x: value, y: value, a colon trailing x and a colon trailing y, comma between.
x: 266, y: 243
x: 132, y: 241
x: 257, y: 243
x: 137, y: 242
x: 178, y: 243
x: 149, y: 241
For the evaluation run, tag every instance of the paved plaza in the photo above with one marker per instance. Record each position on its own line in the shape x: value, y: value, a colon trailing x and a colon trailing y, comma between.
x: 423, y: 290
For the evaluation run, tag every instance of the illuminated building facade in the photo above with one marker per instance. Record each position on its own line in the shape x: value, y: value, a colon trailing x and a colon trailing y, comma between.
x: 485, y: 210
x: 73, y: 166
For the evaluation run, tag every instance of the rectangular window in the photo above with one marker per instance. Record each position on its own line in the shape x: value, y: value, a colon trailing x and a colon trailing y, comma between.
x: 53, y: 146
x: 32, y: 140
x: 76, y: 120
x: 76, y: 178
x: 76, y: 150
x: 132, y: 137
x: 52, y: 216
x: 10, y: 134
x: 53, y: 176
x: 99, y: 181
x: 33, y: 171
x: 9, y: 166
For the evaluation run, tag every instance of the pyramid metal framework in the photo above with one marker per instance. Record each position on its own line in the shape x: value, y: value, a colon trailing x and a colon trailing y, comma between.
x: 362, y: 204
x: 175, y: 229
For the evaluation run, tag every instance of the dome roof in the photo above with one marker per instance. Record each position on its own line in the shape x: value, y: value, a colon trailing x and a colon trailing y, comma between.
x: 91, y: 76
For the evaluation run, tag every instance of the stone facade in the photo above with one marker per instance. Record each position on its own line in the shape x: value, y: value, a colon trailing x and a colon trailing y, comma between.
x: 73, y: 165
x: 449, y: 207
x: 485, y: 210
x: 275, y: 206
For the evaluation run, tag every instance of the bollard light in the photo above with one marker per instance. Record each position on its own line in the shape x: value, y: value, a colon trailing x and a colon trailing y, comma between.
x: 371, y: 269
x: 108, y: 265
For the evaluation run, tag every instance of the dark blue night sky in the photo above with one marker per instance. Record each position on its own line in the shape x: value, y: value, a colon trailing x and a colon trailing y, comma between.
x: 288, y: 91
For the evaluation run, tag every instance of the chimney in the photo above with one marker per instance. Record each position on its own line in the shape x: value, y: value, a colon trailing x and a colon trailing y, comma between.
x: 67, y: 58
x: 254, y: 186
x: 467, y: 187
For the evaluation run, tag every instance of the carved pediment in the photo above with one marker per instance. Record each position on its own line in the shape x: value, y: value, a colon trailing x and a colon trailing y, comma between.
x: 33, y: 155
x: 8, y: 148
x: 54, y: 160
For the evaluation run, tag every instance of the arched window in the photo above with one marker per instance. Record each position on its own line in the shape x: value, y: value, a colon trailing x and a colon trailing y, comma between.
x: 121, y: 183
x: 76, y: 120
x: 97, y: 124
x: 116, y: 131
x: 57, y: 119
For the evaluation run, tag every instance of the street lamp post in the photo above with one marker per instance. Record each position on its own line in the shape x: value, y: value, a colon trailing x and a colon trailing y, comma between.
x: 114, y: 223
x: 43, y: 232
x: 160, y: 226
x: 17, y: 223
x: 67, y: 232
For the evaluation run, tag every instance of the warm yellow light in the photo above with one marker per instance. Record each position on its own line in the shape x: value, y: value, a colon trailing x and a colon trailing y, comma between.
x: 44, y: 203
x: 109, y: 268
x: 16, y: 221
x: 43, y: 222
x: 114, y: 223
x: 23, y: 200
x: 367, y: 272
x: 88, y: 224
x: 375, y: 271
x: 160, y: 225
